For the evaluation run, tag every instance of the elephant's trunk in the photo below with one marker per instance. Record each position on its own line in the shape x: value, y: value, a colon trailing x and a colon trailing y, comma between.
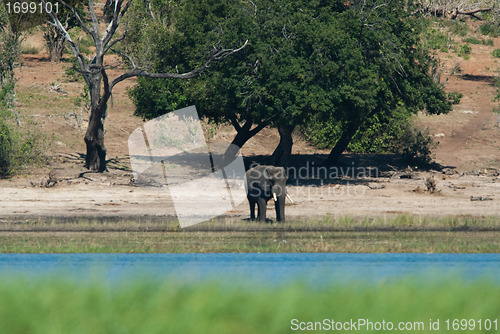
x: 280, y: 209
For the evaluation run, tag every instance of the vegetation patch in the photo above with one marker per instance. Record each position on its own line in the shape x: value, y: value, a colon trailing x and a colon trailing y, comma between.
x: 329, y: 234
x: 435, y: 39
x: 29, y: 49
x: 61, y: 305
x: 490, y: 29
x: 464, y: 51
x: 472, y: 40
x: 458, y: 28
x: 19, y: 147
x: 488, y: 42
x: 6, y: 150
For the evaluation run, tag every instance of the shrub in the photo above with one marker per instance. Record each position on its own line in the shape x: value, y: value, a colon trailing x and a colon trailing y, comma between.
x: 71, y: 74
x: 321, y: 135
x: 464, y: 51
x: 471, y: 40
x: 18, y: 150
x: 30, y: 148
x: 6, y: 139
x: 437, y: 40
x: 458, y: 28
x: 7, y: 94
x: 9, y: 51
x: 455, y: 97
x: 29, y: 49
x: 488, y: 42
x: 490, y: 29
x: 6, y: 149
x: 496, y: 53
x: 419, y: 148
x: 85, y: 43
x: 380, y: 134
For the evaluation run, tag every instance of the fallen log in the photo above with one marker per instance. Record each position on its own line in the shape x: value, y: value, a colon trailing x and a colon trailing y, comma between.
x: 453, y: 14
x: 472, y: 13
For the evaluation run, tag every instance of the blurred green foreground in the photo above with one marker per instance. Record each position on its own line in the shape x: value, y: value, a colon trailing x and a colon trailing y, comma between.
x: 59, y: 305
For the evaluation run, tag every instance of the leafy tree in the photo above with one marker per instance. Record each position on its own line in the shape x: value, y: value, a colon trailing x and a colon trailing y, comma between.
x: 386, y: 70
x: 271, y: 82
x: 348, y: 65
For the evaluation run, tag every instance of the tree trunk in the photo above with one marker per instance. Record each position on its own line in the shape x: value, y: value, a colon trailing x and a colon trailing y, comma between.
x: 55, y: 42
x: 239, y: 140
x: 56, y: 52
x: 95, y: 160
x: 282, y: 153
x: 342, y: 143
x: 244, y: 133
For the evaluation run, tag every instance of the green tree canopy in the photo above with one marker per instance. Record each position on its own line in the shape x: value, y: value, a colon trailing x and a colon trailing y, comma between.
x: 321, y: 61
x: 385, y: 71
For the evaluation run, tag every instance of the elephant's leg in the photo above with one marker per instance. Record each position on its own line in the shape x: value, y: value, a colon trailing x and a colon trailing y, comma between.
x: 280, y: 209
x: 252, y: 208
x: 262, y: 206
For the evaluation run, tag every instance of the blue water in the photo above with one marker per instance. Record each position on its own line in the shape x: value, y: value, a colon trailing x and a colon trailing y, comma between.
x: 271, y: 269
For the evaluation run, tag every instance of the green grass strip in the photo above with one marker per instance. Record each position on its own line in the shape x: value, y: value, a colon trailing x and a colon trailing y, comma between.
x: 53, y: 306
x: 397, y: 234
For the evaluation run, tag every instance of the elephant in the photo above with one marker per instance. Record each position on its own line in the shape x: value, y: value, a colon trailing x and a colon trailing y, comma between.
x: 263, y: 183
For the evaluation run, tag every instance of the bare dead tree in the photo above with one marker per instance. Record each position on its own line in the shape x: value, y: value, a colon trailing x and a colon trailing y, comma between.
x: 95, y: 74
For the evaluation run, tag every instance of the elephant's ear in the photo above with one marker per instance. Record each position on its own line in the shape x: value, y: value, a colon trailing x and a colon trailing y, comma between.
x: 281, y: 173
x: 276, y: 173
x: 268, y: 173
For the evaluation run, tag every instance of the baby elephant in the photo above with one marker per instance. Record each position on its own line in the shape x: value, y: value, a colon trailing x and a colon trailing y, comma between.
x: 262, y: 184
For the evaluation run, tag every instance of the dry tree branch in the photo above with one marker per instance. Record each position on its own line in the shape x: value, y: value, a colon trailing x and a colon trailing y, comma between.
x: 125, y: 56
x: 215, y: 57
x: 75, y: 14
